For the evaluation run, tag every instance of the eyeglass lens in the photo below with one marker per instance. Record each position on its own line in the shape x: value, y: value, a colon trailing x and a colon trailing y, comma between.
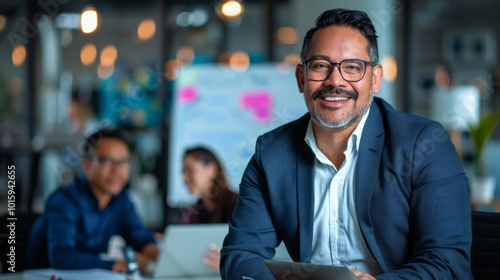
x: 108, y: 162
x: 351, y: 69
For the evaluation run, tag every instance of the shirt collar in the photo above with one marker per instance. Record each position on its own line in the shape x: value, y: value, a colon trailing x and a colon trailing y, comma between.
x: 359, y: 129
x: 92, y: 199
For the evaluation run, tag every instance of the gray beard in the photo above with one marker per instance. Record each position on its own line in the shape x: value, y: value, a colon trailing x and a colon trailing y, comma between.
x: 350, y: 119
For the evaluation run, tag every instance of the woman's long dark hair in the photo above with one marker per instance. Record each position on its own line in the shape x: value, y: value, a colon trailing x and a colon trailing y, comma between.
x: 219, y: 190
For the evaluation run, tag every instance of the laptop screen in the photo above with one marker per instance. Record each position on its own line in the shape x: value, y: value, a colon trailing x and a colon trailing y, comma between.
x: 184, y: 247
x: 297, y: 270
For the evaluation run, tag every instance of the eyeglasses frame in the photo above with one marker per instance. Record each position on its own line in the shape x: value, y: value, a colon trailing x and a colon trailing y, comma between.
x: 366, y: 63
x: 110, y: 162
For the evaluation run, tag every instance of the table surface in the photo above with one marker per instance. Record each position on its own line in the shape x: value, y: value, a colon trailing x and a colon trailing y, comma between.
x: 493, y: 207
x: 95, y: 274
x: 106, y: 274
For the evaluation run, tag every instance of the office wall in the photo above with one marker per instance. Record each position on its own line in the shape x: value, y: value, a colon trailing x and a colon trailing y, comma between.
x: 434, y: 22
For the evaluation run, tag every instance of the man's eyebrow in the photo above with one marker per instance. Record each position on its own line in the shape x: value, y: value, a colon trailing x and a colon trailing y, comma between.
x: 108, y: 157
x: 318, y: 56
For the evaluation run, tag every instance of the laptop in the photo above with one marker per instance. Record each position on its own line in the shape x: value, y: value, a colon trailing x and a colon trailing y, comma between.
x: 184, y: 247
x: 297, y: 270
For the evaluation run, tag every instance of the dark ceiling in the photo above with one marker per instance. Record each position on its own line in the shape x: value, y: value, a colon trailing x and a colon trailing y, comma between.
x: 11, y: 7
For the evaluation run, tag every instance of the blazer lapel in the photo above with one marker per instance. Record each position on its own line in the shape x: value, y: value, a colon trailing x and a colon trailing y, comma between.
x: 370, y: 150
x: 304, y: 187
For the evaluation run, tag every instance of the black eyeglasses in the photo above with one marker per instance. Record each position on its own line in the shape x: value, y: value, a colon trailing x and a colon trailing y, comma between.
x: 351, y: 70
x: 109, y: 162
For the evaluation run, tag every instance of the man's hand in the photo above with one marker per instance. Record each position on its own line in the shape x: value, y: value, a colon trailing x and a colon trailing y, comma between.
x: 142, y: 261
x: 119, y: 266
x: 212, y: 257
x: 362, y: 275
x: 151, y: 251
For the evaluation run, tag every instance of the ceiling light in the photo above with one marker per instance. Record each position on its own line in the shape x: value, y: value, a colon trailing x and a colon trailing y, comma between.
x: 89, y: 20
x: 229, y: 9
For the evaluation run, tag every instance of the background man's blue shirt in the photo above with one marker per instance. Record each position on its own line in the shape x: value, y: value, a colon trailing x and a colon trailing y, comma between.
x: 73, y: 231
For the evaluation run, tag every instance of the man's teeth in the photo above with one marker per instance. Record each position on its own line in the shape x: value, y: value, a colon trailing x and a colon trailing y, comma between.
x: 335, y: 98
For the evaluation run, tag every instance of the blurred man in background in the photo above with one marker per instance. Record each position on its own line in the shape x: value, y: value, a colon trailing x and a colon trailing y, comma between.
x: 80, y: 219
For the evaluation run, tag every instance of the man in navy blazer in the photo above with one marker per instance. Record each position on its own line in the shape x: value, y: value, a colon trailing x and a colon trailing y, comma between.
x: 354, y: 182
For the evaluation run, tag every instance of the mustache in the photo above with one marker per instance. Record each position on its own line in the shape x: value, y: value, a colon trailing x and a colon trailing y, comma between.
x: 334, y: 90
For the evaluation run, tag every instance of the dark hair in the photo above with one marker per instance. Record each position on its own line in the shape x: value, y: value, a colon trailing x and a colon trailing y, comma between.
x: 349, y: 18
x: 92, y: 141
x: 220, y: 188
x: 86, y: 98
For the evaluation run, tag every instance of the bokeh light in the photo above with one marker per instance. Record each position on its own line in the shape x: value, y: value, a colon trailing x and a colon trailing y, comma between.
x: 287, y: 35
x: 146, y: 29
x: 229, y: 9
x: 185, y: 54
x: 239, y: 61
x: 105, y: 71
x: 89, y: 20
x: 18, y: 55
x: 292, y: 59
x: 172, y: 69
x: 88, y: 54
x: 3, y: 22
x: 390, y: 66
x: 108, y: 55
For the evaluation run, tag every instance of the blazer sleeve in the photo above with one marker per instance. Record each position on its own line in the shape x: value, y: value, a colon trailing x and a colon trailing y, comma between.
x: 252, y: 236
x: 134, y: 231
x: 439, y: 214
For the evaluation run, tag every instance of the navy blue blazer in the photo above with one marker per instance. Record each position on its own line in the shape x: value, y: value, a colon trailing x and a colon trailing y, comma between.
x: 412, y: 200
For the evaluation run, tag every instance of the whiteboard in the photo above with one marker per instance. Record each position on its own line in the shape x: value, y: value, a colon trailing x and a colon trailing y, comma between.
x: 225, y: 111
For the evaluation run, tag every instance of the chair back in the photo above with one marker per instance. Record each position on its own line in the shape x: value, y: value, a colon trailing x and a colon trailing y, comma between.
x: 485, y: 254
x: 18, y: 232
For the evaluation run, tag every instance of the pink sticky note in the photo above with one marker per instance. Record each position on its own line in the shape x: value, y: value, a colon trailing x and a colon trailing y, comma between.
x: 188, y: 94
x: 260, y: 103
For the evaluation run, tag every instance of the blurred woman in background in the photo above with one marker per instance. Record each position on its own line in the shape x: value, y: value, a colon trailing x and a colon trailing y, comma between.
x: 204, y: 176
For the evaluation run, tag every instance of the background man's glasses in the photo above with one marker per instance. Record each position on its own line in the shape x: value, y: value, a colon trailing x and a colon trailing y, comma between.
x: 109, y: 162
x: 351, y: 70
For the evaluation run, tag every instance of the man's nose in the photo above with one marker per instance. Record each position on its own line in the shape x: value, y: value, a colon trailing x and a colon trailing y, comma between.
x: 335, y: 77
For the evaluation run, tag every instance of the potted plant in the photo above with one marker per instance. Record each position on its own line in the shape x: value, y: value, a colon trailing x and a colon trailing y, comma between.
x: 482, y: 186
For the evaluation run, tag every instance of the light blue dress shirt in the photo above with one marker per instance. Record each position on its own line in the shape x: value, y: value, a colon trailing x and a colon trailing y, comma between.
x: 337, y: 238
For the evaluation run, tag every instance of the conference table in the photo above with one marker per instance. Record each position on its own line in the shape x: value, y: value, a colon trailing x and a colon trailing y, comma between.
x: 102, y: 274
x: 491, y: 207
x: 94, y: 274
x: 496, y: 205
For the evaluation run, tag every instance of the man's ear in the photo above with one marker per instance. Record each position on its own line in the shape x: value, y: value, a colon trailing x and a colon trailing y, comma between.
x: 299, y: 76
x: 378, y: 73
x: 86, y: 163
